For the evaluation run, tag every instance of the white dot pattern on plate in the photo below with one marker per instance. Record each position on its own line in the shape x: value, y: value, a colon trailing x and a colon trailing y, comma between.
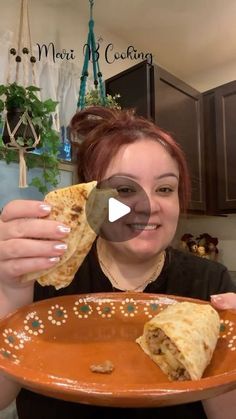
x: 151, y: 308
x: 82, y: 309
x: 57, y: 315
x: 13, y: 339
x: 33, y: 324
x: 129, y: 307
x: 6, y: 353
x: 106, y: 308
x: 227, y: 331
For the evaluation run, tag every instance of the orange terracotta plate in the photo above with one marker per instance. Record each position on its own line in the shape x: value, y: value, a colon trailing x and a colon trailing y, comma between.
x: 49, y: 347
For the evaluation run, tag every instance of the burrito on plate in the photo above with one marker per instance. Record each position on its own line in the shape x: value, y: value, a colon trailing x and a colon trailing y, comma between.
x: 181, y: 339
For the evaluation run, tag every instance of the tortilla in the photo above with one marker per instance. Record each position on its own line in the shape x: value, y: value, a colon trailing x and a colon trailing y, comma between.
x: 69, y: 207
x: 181, y: 339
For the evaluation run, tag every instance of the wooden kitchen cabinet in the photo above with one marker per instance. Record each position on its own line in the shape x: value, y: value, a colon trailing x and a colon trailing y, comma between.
x: 178, y: 109
x: 135, y: 87
x: 175, y: 106
x: 220, y: 140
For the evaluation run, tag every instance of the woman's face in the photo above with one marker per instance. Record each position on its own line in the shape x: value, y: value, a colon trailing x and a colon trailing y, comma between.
x: 149, y: 165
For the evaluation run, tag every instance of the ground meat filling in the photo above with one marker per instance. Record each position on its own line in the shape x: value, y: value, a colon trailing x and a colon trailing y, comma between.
x: 104, y: 368
x: 159, y: 344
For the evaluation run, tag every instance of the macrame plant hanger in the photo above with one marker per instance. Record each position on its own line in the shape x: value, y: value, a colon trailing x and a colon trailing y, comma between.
x: 22, y: 59
x: 91, y: 55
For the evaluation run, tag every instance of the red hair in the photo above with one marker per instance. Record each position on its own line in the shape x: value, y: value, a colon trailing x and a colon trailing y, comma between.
x: 105, y: 130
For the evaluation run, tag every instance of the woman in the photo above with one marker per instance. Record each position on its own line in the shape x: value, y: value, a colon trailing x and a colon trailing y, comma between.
x: 131, y: 152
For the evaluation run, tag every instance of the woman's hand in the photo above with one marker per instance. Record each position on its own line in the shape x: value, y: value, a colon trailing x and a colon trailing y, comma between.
x: 28, y: 242
x: 224, y: 301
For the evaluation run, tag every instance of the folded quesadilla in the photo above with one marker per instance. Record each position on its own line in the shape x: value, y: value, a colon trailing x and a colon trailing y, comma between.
x: 181, y: 339
x: 71, y: 207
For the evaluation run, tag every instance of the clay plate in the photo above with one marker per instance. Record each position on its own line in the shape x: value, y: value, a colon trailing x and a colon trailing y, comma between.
x: 49, y: 346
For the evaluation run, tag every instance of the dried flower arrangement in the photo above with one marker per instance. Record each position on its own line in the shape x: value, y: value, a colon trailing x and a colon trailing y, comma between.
x: 204, y: 245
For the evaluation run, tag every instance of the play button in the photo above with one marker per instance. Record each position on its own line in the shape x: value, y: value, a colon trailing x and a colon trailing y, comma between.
x: 127, y: 207
x: 116, y: 210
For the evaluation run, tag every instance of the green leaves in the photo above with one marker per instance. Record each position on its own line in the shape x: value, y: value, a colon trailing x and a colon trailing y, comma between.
x: 26, y: 99
x: 37, y: 121
x: 37, y: 183
x: 50, y: 105
x: 20, y: 141
x: 33, y: 89
x: 93, y: 98
x: 50, y: 175
x: 17, y: 96
x: 3, y: 89
x: 7, y: 154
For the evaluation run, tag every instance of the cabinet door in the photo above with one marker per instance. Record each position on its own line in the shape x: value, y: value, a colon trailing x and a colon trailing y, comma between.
x: 178, y: 109
x: 210, y: 152
x: 225, y: 111
x: 134, y: 86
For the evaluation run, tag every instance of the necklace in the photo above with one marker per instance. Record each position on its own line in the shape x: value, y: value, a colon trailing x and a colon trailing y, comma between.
x: 115, y: 283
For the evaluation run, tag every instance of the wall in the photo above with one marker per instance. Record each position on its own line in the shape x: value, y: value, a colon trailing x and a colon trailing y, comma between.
x: 66, y: 26
x: 9, y: 189
x: 214, y: 77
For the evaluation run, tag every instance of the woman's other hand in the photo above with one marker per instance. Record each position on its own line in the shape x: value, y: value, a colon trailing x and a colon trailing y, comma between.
x: 224, y: 301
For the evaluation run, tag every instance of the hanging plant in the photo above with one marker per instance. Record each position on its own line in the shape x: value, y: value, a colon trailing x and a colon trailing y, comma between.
x: 93, y: 98
x: 27, y: 124
x: 96, y: 96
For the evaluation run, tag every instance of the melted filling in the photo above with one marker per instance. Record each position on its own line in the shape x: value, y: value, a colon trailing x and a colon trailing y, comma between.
x: 160, y: 344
